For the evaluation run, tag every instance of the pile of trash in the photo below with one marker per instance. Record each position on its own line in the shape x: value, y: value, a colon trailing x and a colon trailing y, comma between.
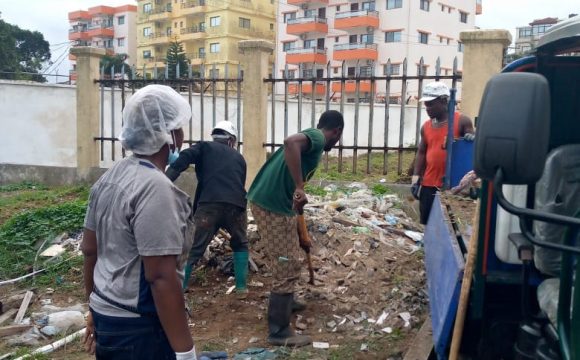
x: 367, y: 262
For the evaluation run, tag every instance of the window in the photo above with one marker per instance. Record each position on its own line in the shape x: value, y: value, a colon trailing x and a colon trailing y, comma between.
x: 289, y: 16
x: 147, y: 8
x: 288, y: 45
x: 448, y: 41
x: 319, y: 73
x: 121, y: 42
x: 352, y: 39
x: 201, y: 52
x: 351, y: 71
x: 244, y: 23
x: 309, y: 44
x: 336, y: 39
x: 175, y: 24
x: 214, y: 21
x: 307, y: 73
x: 168, y: 31
x: 290, y: 75
x: 310, y: 13
x: 202, y: 26
x: 337, y: 8
x: 394, y: 4
x: 392, y: 69
x: 366, y: 38
x: 335, y: 70
x: 120, y: 20
x: 463, y: 17
x: 214, y: 48
x: 368, y: 6
x: 108, y: 43
x: 214, y: 73
x: 271, y: 27
x: 146, y: 54
x: 459, y: 46
x: 423, y: 38
x: 147, y: 32
x: 421, y: 70
x: 525, y: 32
x: 366, y: 71
x: 393, y: 36
x: 424, y: 5
x: 181, y: 24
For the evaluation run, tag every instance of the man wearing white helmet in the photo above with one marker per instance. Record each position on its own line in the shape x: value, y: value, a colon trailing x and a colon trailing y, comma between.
x: 220, y: 197
x: 431, y: 155
x: 135, y: 239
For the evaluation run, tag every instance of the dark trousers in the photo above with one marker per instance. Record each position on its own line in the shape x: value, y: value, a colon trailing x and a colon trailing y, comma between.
x: 209, y: 218
x: 140, y: 338
x: 426, y: 197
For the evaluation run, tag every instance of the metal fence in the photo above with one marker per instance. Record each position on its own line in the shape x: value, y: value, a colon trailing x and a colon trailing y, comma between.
x: 330, y: 92
x: 211, y: 98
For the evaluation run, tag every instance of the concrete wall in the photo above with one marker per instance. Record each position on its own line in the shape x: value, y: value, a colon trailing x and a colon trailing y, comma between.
x: 38, y: 124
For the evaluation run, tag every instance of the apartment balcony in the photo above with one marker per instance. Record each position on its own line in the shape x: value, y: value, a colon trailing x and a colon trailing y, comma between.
x: 350, y: 86
x: 306, y: 3
x: 160, y: 13
x: 153, y: 62
x: 304, y: 25
x: 156, y: 38
x: 78, y: 35
x: 310, y: 55
x: 192, y: 33
x: 356, y: 19
x: 102, y: 31
x: 355, y: 51
x: 194, y: 7
x: 195, y: 58
x: 319, y: 88
x: 79, y: 15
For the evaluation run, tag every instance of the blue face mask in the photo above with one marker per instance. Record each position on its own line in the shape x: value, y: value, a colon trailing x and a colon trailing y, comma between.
x: 173, y: 155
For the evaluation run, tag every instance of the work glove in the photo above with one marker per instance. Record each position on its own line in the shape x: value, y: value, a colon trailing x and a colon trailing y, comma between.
x: 416, y: 186
x: 188, y: 355
x: 469, y: 137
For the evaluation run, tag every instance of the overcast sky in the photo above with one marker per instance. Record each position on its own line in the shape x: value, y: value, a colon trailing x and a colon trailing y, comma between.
x: 50, y: 17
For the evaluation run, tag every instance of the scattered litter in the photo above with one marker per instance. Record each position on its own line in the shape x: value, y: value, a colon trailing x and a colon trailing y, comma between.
x: 213, y: 355
x: 231, y: 278
x: 235, y: 340
x: 382, y: 318
x: 391, y: 220
x: 230, y: 289
x: 414, y: 235
x: 60, y: 322
x: 255, y: 354
x: 331, y: 324
x: 387, y: 330
x: 406, y: 318
x: 253, y: 340
x: 255, y: 283
x: 364, y: 347
x: 322, y: 228
x: 46, y: 301
x: 320, y: 345
x: 53, y: 250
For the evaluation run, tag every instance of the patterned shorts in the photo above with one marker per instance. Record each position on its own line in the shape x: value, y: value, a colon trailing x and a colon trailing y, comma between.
x: 282, y: 249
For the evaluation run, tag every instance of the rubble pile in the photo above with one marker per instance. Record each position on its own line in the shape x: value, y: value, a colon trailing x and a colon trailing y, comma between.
x: 367, y: 259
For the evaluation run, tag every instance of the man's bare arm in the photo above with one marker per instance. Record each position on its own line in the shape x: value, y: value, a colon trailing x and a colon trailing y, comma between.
x: 89, y: 249
x: 465, y: 125
x: 420, y: 160
x: 167, y: 293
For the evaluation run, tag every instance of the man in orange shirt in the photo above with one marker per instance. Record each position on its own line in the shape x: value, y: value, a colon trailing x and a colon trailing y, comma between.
x: 431, y: 155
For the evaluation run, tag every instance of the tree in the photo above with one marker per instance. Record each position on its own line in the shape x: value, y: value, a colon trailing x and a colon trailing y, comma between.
x: 176, y: 55
x: 115, y: 63
x: 22, y: 51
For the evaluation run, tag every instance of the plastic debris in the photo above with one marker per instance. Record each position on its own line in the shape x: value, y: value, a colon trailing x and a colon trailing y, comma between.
x: 53, y: 250
x: 391, y: 220
x: 414, y: 235
x: 406, y: 318
x: 320, y: 345
x: 382, y: 318
x: 387, y: 330
x: 364, y: 347
x: 255, y: 354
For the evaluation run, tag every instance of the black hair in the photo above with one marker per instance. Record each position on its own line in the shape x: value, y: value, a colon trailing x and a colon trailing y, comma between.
x: 330, y: 120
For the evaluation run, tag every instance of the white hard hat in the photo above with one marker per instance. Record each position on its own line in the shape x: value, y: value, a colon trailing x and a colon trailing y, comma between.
x: 226, y: 126
x: 434, y: 90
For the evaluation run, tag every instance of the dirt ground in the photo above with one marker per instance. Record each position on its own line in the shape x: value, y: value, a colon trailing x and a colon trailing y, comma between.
x: 364, y: 274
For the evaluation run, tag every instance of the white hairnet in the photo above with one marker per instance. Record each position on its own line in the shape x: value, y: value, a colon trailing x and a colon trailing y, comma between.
x: 148, y: 117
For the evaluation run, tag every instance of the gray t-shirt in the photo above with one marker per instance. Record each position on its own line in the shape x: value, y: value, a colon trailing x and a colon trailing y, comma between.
x: 135, y: 211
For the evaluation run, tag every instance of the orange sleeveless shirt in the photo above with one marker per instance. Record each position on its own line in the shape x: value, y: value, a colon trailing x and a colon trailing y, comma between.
x: 436, y: 155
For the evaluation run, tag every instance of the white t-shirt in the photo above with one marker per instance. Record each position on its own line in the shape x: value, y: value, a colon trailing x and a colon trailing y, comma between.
x: 135, y: 211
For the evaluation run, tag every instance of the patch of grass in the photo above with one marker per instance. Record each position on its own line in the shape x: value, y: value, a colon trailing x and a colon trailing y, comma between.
x: 25, y: 185
x: 21, y: 352
x: 380, y: 189
x: 314, y: 190
x: 329, y: 171
x: 214, y: 345
x: 20, y: 234
x: 65, y: 274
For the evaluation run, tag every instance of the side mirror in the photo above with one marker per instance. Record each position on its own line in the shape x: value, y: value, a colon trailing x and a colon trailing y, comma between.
x: 513, y: 128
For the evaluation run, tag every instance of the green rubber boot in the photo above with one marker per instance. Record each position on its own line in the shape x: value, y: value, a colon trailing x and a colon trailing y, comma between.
x: 241, y: 271
x: 186, y: 275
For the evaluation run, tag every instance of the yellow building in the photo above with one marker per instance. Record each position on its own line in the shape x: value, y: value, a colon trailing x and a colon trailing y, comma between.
x: 209, y: 31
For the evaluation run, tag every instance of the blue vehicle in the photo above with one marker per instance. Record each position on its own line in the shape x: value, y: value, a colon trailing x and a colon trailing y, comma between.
x: 522, y: 303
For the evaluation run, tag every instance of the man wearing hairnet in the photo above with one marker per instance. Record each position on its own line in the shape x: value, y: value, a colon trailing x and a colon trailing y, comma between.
x: 134, y: 242
x: 220, y: 197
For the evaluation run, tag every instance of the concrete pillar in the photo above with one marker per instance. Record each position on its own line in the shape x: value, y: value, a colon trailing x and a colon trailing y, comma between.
x: 254, y: 61
x: 483, y: 55
x: 88, y: 108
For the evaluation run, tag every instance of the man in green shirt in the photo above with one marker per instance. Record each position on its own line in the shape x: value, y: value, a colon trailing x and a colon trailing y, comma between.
x: 276, y: 194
